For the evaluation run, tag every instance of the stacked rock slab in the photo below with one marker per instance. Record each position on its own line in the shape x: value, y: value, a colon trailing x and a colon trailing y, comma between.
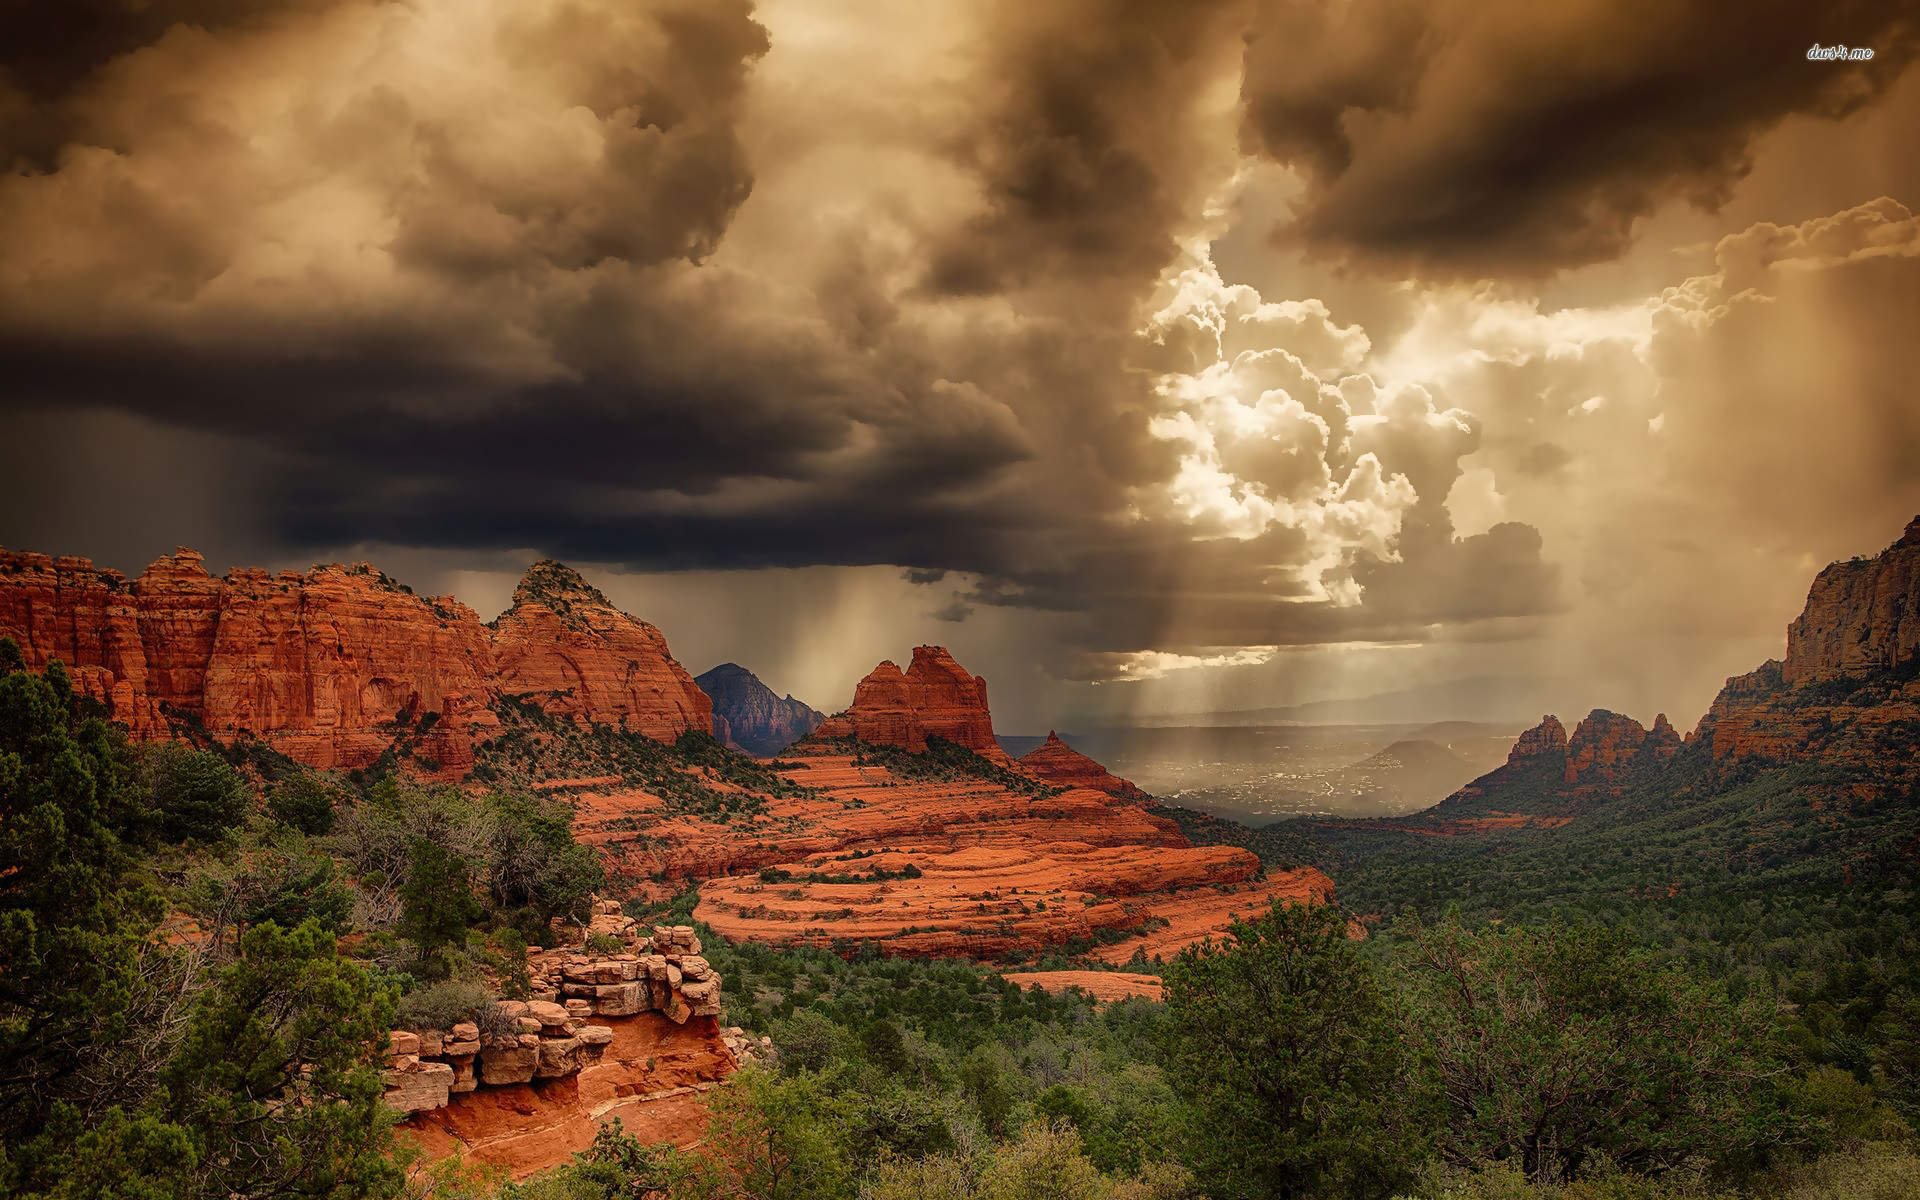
x: 534, y: 1040
x: 423, y: 1068
x: 661, y: 971
x: 549, y: 1035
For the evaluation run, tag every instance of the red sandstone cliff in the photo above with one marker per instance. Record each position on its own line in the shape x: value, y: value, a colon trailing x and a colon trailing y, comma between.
x: 1850, y: 685
x: 1847, y: 695
x: 330, y: 666
x: 1548, y: 771
x: 1862, y: 617
x: 1057, y: 762
x: 933, y: 697
x: 584, y: 658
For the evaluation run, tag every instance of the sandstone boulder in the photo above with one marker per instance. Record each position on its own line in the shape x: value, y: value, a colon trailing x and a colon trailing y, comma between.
x: 417, y: 1086
x: 503, y: 1065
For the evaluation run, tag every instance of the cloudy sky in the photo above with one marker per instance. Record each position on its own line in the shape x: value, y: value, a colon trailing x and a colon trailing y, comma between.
x: 1155, y: 356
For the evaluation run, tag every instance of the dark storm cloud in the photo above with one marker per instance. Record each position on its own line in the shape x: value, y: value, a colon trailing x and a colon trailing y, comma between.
x: 1084, y: 149
x: 50, y: 50
x: 471, y: 278
x: 1469, y: 138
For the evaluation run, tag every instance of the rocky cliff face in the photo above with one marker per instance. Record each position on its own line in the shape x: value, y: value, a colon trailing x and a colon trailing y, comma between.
x: 1058, y: 763
x: 933, y: 697
x: 747, y: 715
x: 1608, y: 749
x: 1862, y: 617
x: 1548, y: 771
x: 333, y: 666
x: 1847, y: 695
x: 1848, y: 692
x: 583, y: 658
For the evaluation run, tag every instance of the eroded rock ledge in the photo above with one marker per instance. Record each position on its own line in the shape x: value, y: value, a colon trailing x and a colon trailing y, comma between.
x: 552, y: 1034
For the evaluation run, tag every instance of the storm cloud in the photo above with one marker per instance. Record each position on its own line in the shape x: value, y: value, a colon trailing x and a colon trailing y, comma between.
x: 1474, y: 138
x: 679, y: 286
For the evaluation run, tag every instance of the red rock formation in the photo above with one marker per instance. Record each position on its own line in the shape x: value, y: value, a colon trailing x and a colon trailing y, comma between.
x: 1603, y: 747
x: 653, y: 1075
x: 90, y: 620
x: 327, y: 666
x: 631, y: 1034
x: 995, y: 869
x: 1101, y: 985
x: 1057, y: 762
x: 1662, y: 741
x: 1537, y: 763
x: 1847, y: 695
x: 1862, y: 616
x: 331, y: 667
x: 1548, y: 737
x: 1548, y: 773
x: 933, y: 697
x: 586, y: 659
x: 1848, y: 689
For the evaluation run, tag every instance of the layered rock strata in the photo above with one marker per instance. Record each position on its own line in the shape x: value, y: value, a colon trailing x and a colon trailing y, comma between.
x: 1101, y: 985
x: 933, y: 697
x: 549, y: 1035
x: 1058, y: 763
x: 1848, y: 692
x: 653, y: 1077
x: 960, y: 867
x: 1862, y: 617
x: 334, y: 666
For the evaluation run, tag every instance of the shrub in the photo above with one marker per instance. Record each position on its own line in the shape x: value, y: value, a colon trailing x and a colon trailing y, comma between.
x: 195, y: 795
x: 1556, y: 1045
x: 1281, y: 1043
x: 444, y: 1004
x: 604, y: 943
x: 495, y: 1022
x: 304, y: 801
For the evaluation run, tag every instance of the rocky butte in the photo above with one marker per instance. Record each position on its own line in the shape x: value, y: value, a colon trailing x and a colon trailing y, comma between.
x: 1056, y: 762
x: 933, y: 697
x: 749, y: 716
x: 1848, y: 691
x: 334, y: 666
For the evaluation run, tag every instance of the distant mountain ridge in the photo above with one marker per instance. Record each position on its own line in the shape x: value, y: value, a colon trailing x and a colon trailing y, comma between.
x: 1798, y: 792
x: 748, y: 715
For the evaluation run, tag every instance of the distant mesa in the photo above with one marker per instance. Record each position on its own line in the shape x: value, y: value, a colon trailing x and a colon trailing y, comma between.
x: 933, y: 697
x: 1056, y: 762
x: 749, y: 716
x: 330, y: 666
